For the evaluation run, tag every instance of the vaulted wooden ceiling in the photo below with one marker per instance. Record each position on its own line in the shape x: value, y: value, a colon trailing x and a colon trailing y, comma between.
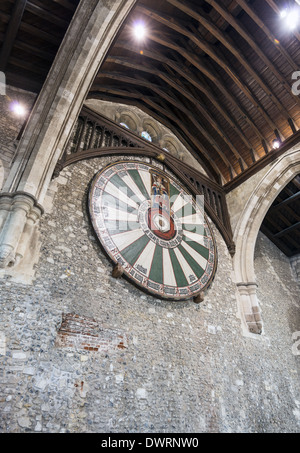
x: 282, y: 222
x: 30, y: 35
x: 218, y: 73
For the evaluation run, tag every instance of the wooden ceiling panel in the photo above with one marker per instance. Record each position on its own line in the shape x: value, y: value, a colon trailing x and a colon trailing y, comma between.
x: 282, y: 221
x: 216, y: 72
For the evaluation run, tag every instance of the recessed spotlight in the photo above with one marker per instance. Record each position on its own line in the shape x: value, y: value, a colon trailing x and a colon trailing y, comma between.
x: 18, y: 109
x: 283, y: 13
x: 292, y: 19
x: 276, y: 144
x: 139, y: 30
x: 290, y: 16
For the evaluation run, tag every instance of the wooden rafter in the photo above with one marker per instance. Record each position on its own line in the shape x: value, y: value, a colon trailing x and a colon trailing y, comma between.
x: 272, y: 38
x: 211, y: 71
x: 238, y: 26
x: 188, y: 75
x: 230, y: 45
x: 173, y: 101
x: 152, y: 106
x: 212, y: 53
x: 211, y: 74
x: 192, y: 97
x: 14, y: 23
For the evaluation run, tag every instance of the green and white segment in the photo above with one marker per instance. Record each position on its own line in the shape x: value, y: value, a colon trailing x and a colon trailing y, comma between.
x: 176, y: 267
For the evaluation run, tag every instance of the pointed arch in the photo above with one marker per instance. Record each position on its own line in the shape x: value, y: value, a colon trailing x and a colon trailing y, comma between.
x: 279, y: 175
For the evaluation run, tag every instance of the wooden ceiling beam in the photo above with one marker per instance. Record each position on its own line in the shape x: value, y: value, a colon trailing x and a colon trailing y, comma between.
x: 288, y: 230
x: 45, y: 14
x: 250, y: 11
x: 277, y: 241
x: 179, y: 119
x: 288, y: 238
x: 229, y: 44
x: 239, y: 27
x: 66, y: 4
x: 168, y: 120
x: 197, y: 63
x: 35, y: 51
x: 14, y: 23
x: 178, y: 86
x: 286, y: 201
x: 190, y: 78
x: 172, y: 100
x: 34, y: 31
x: 170, y: 22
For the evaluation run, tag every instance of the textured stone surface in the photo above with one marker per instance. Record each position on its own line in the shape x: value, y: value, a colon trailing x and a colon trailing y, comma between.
x: 10, y: 126
x: 185, y: 367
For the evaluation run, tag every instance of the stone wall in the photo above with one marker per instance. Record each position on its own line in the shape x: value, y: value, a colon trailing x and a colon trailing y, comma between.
x: 81, y: 351
x: 10, y: 126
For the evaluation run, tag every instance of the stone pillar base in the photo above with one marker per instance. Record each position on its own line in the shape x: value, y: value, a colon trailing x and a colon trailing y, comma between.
x: 249, y: 310
x: 19, y: 219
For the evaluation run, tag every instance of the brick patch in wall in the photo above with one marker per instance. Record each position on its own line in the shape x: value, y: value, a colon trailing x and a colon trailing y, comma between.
x: 87, y: 334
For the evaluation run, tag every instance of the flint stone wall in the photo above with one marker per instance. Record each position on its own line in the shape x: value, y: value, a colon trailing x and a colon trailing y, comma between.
x: 81, y: 351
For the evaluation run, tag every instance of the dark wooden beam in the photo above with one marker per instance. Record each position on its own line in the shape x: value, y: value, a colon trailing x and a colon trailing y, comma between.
x: 238, y: 26
x: 152, y: 107
x: 190, y: 77
x: 267, y: 159
x: 277, y: 241
x: 11, y: 32
x: 254, y: 16
x: 287, y: 230
x: 230, y: 45
x: 211, y: 74
x: 177, y: 84
x: 174, y: 100
x: 46, y: 15
x: 285, y: 202
x: 173, y: 24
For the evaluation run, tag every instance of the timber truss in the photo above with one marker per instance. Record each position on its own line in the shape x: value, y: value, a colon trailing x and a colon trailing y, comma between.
x: 96, y: 136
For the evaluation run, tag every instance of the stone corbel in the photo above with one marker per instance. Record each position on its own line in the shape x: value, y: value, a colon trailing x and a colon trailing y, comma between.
x: 249, y: 307
x: 19, y: 213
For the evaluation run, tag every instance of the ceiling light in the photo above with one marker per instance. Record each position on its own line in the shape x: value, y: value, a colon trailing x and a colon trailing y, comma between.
x: 276, y: 144
x: 139, y: 30
x: 290, y: 17
x: 283, y: 13
x: 18, y: 109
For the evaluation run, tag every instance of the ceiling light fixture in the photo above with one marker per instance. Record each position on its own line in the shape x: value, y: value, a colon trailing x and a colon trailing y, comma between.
x: 290, y: 16
x: 18, y: 109
x: 139, y: 30
x: 276, y: 144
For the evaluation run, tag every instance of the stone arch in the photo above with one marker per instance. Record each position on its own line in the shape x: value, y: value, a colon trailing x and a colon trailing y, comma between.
x: 130, y: 119
x: 89, y: 36
x: 153, y: 129
x: 245, y: 235
x: 171, y: 144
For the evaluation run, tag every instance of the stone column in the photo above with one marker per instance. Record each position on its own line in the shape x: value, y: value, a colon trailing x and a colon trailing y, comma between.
x: 249, y: 307
x: 19, y: 213
x: 77, y: 62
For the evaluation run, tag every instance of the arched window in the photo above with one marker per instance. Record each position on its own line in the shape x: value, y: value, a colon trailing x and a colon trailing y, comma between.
x: 146, y: 136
